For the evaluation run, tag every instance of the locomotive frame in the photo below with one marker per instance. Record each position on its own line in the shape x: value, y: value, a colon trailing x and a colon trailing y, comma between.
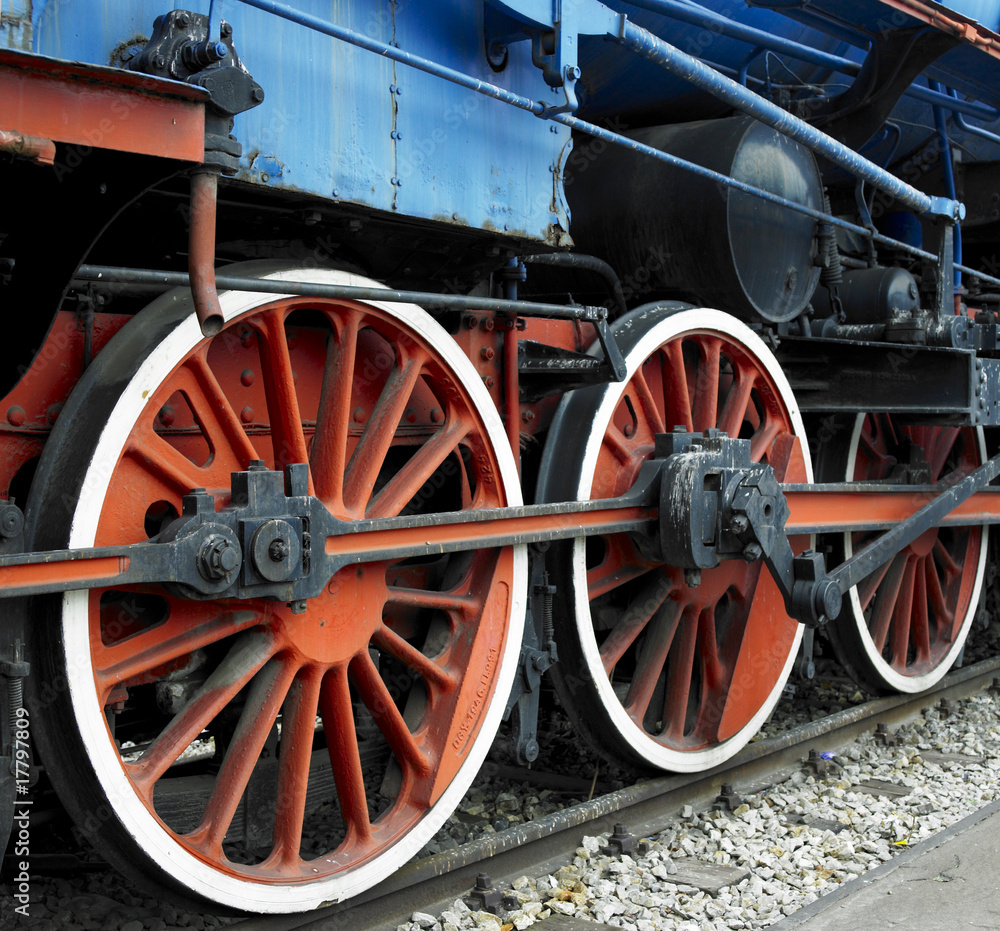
x: 286, y: 492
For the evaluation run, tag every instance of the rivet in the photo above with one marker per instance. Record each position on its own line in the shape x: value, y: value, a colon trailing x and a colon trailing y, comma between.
x: 246, y: 336
x: 247, y: 377
x: 359, y: 415
x: 437, y: 415
x: 628, y: 430
x: 246, y: 415
x: 411, y: 415
x: 52, y: 414
x: 166, y: 415
x: 15, y: 416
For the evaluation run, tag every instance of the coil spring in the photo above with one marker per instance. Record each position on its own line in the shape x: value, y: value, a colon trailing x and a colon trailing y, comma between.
x: 832, y: 273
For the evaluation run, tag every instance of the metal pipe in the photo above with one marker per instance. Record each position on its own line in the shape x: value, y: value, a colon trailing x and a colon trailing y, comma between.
x: 40, y: 150
x: 511, y: 386
x: 426, y: 299
x: 695, y: 15
x: 948, y: 170
x: 690, y: 69
x: 201, y: 251
x: 963, y: 124
x: 590, y: 263
x: 215, y: 21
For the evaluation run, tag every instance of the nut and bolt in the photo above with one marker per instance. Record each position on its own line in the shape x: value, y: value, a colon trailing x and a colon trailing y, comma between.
x: 219, y: 557
x: 279, y: 550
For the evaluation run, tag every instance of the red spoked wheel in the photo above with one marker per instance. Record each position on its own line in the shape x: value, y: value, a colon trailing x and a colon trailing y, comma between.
x: 339, y: 739
x: 904, y: 626
x: 658, y: 671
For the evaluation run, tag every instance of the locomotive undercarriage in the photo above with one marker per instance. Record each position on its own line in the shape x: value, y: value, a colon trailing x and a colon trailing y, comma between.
x: 287, y: 520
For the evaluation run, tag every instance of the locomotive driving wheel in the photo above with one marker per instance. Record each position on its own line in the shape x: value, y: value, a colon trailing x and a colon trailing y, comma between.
x: 335, y: 740
x: 904, y: 626
x: 661, y: 668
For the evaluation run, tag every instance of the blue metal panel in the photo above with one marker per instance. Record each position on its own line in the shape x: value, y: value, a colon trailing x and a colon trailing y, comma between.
x: 345, y: 124
x: 986, y: 12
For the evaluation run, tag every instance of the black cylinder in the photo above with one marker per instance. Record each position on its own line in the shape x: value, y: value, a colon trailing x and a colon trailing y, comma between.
x: 665, y: 229
x: 873, y: 295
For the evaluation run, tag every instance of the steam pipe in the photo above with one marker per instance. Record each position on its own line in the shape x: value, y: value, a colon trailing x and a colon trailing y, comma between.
x: 201, y: 251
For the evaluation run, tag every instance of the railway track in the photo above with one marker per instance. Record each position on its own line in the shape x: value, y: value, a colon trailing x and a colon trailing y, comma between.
x: 541, y: 846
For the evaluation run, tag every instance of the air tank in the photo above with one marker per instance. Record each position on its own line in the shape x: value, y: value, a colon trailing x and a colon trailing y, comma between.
x: 667, y: 231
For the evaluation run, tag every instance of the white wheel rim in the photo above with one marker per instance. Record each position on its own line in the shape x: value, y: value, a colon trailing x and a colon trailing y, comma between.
x: 182, y: 865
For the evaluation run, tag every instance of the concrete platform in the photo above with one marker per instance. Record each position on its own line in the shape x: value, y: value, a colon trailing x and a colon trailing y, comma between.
x: 947, y: 882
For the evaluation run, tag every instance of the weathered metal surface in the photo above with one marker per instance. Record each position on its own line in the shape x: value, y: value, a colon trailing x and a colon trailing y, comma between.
x: 100, y: 107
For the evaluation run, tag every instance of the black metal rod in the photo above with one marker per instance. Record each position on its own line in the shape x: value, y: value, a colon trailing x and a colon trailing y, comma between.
x: 426, y: 299
x: 880, y: 551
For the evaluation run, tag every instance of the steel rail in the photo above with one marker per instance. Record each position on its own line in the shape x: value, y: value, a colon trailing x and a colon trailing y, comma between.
x: 646, y: 808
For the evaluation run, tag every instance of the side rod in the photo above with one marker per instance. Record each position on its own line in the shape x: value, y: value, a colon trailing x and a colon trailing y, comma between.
x: 907, y: 512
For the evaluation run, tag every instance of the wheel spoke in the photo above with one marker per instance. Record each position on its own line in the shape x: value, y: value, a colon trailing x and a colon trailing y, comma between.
x: 706, y: 392
x: 677, y: 400
x: 618, y: 447
x: 433, y: 674
x: 329, y: 445
x: 902, y: 618
x: 443, y: 601
x: 680, y: 672
x: 644, y: 605
x: 298, y: 719
x: 288, y: 439
x: 342, y: 743
x: 232, y: 449
x: 737, y: 403
x: 652, y: 658
x: 153, y: 458
x: 941, y: 447
x: 760, y: 442
x: 183, y: 632
x: 868, y: 586
x: 945, y: 560
x: 266, y: 693
x: 387, y: 716
x: 380, y: 431
x: 411, y: 478
x: 885, y: 603
x: 712, y: 673
x: 647, y: 407
x: 245, y: 659
x: 621, y: 564
x: 920, y: 625
x: 943, y: 615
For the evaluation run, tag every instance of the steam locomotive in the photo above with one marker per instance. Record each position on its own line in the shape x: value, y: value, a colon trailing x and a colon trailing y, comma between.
x: 378, y: 361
